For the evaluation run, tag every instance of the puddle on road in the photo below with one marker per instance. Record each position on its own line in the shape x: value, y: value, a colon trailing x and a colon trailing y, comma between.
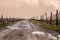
x: 46, y: 35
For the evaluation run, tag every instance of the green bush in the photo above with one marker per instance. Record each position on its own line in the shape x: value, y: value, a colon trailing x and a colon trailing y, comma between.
x: 1, y: 24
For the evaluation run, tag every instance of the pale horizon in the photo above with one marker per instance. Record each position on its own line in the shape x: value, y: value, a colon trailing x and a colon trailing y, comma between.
x: 28, y: 8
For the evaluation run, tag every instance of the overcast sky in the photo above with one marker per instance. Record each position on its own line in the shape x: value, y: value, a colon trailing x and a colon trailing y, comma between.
x: 27, y: 8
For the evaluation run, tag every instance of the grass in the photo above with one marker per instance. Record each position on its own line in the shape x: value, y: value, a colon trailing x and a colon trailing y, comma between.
x: 1, y: 24
x: 46, y: 26
x: 50, y: 27
x: 35, y: 21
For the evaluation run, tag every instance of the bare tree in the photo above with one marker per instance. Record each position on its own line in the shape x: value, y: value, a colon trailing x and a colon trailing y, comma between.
x: 43, y: 17
x: 51, y: 18
x: 1, y: 18
x: 57, y: 17
x: 46, y: 18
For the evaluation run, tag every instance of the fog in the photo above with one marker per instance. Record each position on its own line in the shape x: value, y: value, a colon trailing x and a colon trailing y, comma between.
x: 28, y: 8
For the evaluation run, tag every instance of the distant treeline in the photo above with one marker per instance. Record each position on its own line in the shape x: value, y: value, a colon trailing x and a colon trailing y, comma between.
x: 7, y: 21
x: 46, y: 19
x: 51, y: 21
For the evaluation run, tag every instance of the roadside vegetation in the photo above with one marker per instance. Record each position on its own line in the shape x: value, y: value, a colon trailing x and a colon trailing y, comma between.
x: 46, y: 26
x: 50, y: 27
x: 5, y: 22
x: 35, y: 21
x: 1, y: 24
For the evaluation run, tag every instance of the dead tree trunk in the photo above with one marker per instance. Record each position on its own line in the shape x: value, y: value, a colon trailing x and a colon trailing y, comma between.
x: 51, y: 18
x: 46, y: 18
x: 57, y: 17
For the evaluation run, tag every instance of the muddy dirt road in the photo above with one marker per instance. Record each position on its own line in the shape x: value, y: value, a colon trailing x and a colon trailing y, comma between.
x: 22, y: 30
